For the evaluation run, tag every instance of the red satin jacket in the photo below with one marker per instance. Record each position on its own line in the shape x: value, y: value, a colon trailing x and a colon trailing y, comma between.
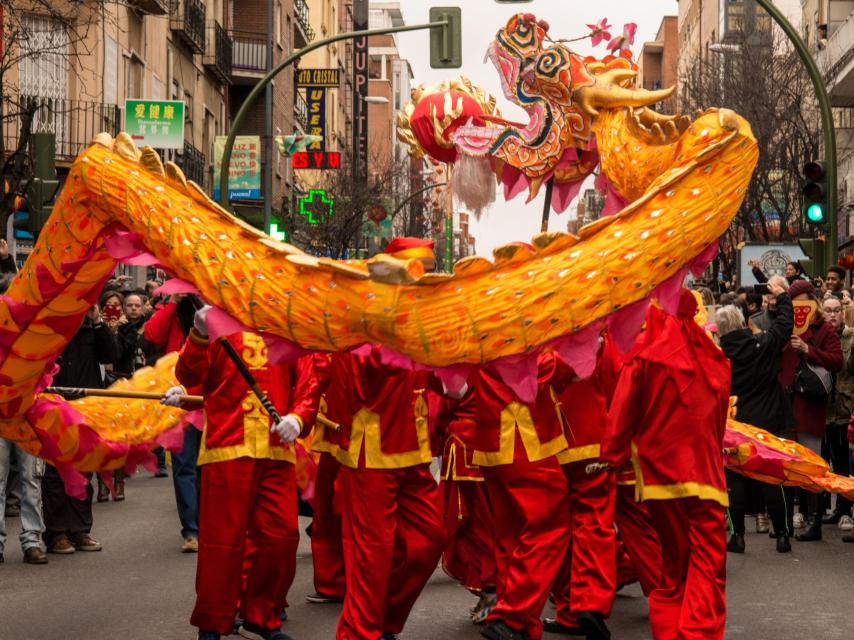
x: 669, y: 411
x: 236, y: 424
x: 390, y: 427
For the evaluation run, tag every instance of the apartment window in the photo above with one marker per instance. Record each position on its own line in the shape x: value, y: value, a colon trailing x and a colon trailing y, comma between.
x: 188, y: 101
x: 277, y: 19
x: 111, y: 71
x: 134, y: 77
x: 45, y: 73
x: 375, y: 67
x: 156, y: 88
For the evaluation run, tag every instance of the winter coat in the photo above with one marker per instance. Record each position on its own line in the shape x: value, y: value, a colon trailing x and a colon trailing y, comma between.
x: 839, y: 410
x: 79, y: 364
x: 824, y: 350
x: 755, y: 360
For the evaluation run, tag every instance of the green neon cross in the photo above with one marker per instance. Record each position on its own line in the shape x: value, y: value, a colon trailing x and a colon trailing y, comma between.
x: 316, y: 211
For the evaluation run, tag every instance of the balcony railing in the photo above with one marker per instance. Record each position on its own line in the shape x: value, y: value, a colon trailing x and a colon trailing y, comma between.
x: 836, y: 63
x: 301, y: 9
x: 187, y: 21
x: 301, y: 111
x: 249, y: 52
x: 73, y: 122
x: 154, y: 7
x: 218, y: 53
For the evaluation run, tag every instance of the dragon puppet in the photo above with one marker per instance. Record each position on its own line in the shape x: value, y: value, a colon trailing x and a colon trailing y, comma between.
x: 682, y: 182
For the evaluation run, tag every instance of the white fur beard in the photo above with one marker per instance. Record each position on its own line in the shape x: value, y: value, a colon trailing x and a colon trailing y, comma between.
x: 473, y: 183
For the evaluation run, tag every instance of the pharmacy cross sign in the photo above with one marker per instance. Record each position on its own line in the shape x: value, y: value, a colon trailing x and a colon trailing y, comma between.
x: 316, y: 206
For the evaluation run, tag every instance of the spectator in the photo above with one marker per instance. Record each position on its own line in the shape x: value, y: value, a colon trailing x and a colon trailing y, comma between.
x: 835, y: 279
x: 819, y: 347
x: 839, y: 411
x: 794, y: 271
x: 129, y: 333
x: 68, y: 521
x: 755, y: 361
x: 30, y: 472
x: 7, y: 262
x: 166, y: 330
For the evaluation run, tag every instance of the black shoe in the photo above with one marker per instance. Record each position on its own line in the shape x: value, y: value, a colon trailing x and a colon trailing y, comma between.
x: 594, y: 626
x: 498, y: 630
x: 388, y: 636
x: 322, y: 598
x: 254, y: 632
x: 551, y: 625
x: 810, y: 535
x: 833, y: 518
x: 773, y: 534
x: 162, y: 472
x: 783, y: 544
x: 736, y: 543
x: 209, y: 635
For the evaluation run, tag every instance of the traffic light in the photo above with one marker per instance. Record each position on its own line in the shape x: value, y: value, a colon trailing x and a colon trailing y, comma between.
x: 446, y: 43
x: 815, y: 265
x: 815, y: 193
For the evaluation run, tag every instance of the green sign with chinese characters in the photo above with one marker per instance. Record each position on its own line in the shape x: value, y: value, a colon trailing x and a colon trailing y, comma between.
x: 155, y: 123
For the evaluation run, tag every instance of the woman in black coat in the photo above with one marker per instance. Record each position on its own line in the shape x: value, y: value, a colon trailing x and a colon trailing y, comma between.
x: 762, y: 402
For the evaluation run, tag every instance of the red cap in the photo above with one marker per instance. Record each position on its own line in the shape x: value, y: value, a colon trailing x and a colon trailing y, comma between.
x: 405, y: 248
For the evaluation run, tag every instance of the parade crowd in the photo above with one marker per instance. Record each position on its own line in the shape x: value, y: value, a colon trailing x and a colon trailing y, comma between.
x: 566, y: 489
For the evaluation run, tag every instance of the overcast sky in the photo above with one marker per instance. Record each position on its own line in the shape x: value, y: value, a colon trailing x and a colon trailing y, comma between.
x: 508, y: 221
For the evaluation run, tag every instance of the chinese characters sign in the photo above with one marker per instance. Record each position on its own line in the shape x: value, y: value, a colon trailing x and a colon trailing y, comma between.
x: 244, y: 170
x: 155, y: 123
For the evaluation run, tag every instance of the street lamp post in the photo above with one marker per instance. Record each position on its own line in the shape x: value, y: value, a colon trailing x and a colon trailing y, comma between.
x: 828, y: 131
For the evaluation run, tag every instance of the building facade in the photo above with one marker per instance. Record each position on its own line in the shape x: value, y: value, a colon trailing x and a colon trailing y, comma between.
x: 658, y: 61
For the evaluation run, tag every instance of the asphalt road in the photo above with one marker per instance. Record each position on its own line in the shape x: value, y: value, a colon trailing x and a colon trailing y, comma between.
x: 140, y: 587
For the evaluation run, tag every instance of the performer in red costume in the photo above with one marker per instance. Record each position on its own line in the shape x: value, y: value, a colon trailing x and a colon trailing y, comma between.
x: 669, y: 415
x: 469, y: 555
x: 327, y: 551
x: 392, y: 526
x: 585, y: 587
x: 515, y: 444
x: 248, y: 491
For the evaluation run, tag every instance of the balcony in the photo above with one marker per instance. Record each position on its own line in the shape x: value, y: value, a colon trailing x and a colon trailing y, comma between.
x: 218, y: 53
x: 303, y: 33
x: 248, y: 56
x: 301, y: 111
x: 192, y: 163
x: 187, y: 21
x: 73, y: 122
x: 151, y: 7
x: 836, y: 63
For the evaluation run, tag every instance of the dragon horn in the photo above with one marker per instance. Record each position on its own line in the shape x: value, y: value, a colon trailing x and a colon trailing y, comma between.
x: 596, y: 96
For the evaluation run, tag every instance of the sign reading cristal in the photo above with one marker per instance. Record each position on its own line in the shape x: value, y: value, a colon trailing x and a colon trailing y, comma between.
x: 317, y: 78
x: 155, y: 123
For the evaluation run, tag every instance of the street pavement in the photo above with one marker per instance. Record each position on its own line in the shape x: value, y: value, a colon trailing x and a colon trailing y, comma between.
x: 140, y: 587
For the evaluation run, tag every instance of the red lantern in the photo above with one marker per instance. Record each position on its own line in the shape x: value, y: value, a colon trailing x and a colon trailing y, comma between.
x: 437, y: 116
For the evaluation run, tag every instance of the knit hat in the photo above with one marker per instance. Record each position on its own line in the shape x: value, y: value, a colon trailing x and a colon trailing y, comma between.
x: 801, y: 286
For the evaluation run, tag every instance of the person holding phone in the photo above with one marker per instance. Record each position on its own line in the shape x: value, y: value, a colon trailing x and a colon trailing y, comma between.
x: 793, y: 272
x: 754, y: 360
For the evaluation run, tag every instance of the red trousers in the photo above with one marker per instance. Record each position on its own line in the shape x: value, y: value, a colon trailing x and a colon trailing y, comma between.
x: 393, y: 538
x: 690, y: 602
x: 638, y: 535
x: 587, y: 579
x: 469, y: 555
x: 245, y: 501
x: 532, y: 533
x: 327, y: 551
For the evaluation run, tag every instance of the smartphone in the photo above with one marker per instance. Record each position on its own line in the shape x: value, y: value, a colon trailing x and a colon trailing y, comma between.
x: 761, y: 289
x: 817, y: 283
x: 112, y: 313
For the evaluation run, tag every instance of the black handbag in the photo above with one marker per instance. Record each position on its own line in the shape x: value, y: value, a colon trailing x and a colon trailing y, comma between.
x: 813, y: 381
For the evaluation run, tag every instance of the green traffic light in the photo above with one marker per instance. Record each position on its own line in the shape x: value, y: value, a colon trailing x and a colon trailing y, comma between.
x: 815, y: 213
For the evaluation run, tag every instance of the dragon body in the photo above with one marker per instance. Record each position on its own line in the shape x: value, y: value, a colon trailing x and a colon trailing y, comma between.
x: 683, y: 186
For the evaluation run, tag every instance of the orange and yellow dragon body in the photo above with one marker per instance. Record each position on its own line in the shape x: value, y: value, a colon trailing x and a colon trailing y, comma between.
x: 558, y: 292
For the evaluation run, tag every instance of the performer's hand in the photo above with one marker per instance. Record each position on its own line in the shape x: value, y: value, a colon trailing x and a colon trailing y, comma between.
x: 200, y: 322
x: 288, y: 428
x: 173, y: 397
x: 4, y: 248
